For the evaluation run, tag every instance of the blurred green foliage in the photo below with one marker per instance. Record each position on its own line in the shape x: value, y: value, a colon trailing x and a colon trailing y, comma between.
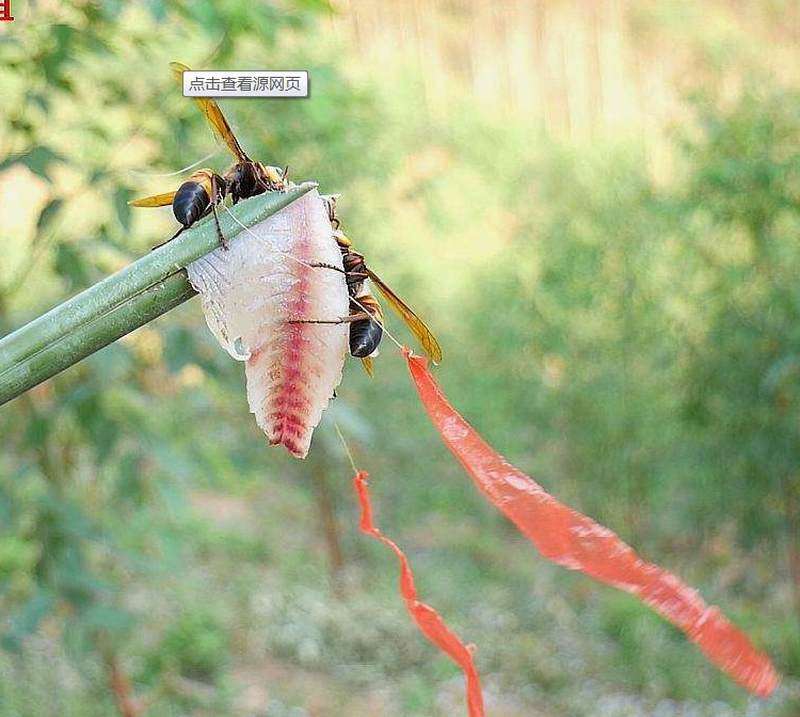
x: 634, y: 343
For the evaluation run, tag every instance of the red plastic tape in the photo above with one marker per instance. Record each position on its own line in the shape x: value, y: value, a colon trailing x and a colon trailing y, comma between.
x: 576, y: 542
x: 427, y: 619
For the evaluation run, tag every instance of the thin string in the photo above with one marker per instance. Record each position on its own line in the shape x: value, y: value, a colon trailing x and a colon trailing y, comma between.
x: 346, y: 447
x: 253, y: 234
x: 378, y: 321
x: 178, y: 171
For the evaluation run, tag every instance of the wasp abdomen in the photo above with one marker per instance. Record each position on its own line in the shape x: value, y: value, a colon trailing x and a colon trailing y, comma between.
x: 365, y: 337
x: 190, y: 203
x: 365, y: 334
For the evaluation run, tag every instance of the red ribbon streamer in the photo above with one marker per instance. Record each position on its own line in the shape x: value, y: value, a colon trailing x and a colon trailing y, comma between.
x: 575, y: 541
x: 427, y: 619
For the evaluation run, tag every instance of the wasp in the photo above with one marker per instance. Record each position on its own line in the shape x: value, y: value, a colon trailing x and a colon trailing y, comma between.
x: 205, y: 189
x: 366, y: 315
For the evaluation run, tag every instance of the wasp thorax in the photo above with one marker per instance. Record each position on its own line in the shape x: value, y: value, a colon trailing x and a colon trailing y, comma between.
x: 353, y: 261
x: 243, y: 182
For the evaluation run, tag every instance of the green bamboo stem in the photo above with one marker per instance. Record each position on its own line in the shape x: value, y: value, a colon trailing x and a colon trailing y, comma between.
x: 157, y: 265
x: 118, y: 304
x: 94, y: 335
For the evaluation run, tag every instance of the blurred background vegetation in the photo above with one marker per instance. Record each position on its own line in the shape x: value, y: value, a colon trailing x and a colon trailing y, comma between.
x: 597, y: 206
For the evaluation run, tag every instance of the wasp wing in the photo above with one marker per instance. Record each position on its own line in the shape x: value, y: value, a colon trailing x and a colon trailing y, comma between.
x: 417, y: 325
x: 222, y: 130
x: 369, y: 367
x: 157, y: 200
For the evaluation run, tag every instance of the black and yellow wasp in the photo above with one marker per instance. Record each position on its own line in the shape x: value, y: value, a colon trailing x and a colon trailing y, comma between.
x: 366, y: 315
x: 205, y: 190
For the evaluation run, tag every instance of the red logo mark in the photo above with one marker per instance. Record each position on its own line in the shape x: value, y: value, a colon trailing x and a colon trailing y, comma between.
x: 5, y: 11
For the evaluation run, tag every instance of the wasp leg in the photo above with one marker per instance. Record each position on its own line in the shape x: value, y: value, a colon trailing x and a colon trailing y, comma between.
x: 323, y: 265
x: 358, y: 275
x: 167, y: 241
x: 223, y: 242
x: 359, y: 316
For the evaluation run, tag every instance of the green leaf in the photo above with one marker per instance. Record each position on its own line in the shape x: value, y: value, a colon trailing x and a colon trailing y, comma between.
x: 16, y: 554
x: 38, y: 160
x: 47, y: 215
x: 101, y: 431
x: 38, y: 429
x: 122, y: 208
x: 70, y: 264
